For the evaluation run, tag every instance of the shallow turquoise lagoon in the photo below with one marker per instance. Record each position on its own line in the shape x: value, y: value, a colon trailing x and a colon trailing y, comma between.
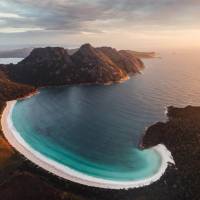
x: 96, y: 130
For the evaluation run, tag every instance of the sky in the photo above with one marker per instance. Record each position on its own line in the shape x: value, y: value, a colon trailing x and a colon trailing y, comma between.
x: 123, y: 24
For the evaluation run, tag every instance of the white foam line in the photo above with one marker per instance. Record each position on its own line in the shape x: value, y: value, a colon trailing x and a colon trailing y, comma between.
x: 65, y: 172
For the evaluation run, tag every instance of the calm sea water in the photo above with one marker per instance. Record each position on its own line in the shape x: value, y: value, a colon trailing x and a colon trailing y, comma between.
x: 96, y: 129
x: 9, y: 60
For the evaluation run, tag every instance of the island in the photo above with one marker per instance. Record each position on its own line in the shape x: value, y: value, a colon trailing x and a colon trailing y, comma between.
x: 180, y: 133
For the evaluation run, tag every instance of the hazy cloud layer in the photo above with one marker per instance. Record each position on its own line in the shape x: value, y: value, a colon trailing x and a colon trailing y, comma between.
x: 94, y: 16
x: 119, y: 23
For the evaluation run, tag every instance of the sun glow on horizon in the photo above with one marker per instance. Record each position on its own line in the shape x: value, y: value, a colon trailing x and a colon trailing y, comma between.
x: 131, y: 25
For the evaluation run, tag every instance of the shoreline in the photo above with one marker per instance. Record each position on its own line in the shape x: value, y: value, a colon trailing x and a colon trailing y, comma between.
x: 67, y: 173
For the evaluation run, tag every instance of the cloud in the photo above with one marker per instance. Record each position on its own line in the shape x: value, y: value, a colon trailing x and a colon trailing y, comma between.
x: 9, y: 15
x: 92, y: 16
x: 119, y: 23
x: 18, y: 30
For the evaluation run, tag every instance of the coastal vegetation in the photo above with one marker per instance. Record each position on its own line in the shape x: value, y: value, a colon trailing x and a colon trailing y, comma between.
x: 9, y: 90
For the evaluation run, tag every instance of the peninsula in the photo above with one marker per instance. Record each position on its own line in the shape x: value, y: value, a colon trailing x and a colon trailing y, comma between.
x: 54, y: 66
x: 22, y: 79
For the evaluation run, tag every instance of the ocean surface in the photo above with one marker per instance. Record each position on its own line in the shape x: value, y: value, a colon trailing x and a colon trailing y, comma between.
x: 9, y: 60
x: 96, y: 130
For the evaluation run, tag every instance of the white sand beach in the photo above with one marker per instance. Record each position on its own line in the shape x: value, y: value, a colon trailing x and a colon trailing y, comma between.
x: 65, y: 172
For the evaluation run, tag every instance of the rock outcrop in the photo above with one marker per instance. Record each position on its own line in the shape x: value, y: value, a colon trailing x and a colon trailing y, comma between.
x: 96, y: 66
x: 54, y: 66
x: 44, y: 66
x: 126, y: 61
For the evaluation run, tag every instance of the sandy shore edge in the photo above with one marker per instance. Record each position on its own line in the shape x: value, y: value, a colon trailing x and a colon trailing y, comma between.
x: 65, y: 172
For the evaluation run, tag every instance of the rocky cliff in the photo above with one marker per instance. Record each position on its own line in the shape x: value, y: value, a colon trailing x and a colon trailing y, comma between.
x: 54, y: 66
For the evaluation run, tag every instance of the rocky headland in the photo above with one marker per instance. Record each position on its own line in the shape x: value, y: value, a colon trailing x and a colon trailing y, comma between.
x: 54, y: 66
x: 180, y: 134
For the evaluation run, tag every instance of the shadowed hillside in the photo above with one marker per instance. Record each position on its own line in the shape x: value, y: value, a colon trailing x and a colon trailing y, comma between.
x: 11, y: 90
x: 54, y: 66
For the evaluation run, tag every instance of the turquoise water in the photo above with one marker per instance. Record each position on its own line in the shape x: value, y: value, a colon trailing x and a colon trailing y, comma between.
x: 96, y: 129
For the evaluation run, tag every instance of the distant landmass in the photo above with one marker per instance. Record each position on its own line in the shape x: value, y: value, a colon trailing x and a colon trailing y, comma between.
x: 24, y: 52
x: 140, y: 54
x: 55, y: 66
x: 16, y: 53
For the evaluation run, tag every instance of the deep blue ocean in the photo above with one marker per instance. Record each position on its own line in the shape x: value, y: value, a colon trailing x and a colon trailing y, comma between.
x: 96, y: 130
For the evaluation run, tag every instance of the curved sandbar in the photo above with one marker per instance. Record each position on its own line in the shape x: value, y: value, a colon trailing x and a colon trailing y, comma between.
x: 65, y: 172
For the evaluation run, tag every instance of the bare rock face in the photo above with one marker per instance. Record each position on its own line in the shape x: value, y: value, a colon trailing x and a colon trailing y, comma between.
x: 125, y: 61
x: 54, y: 66
x: 97, y: 66
x: 134, y: 63
x: 44, y: 66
